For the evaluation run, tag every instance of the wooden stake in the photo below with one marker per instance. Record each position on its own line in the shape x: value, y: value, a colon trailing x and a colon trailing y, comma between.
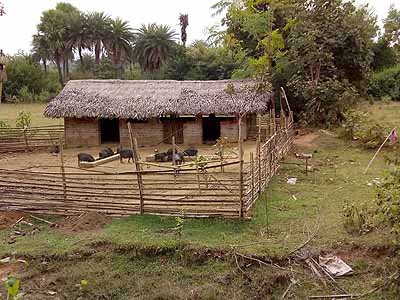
x: 240, y: 166
x: 137, y: 166
x: 259, y: 165
x: 64, y: 182
x: 252, y: 174
x: 26, y: 139
x: 198, y: 177
x: 379, y: 149
x: 173, y: 156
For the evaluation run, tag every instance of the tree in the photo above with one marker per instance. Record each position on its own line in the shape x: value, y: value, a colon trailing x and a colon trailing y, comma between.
x: 41, y: 51
x: 2, y: 12
x: 392, y: 29
x: 99, y: 28
x: 119, y: 42
x: 184, y: 23
x: 384, y: 55
x: 153, y: 45
x: 78, y: 38
x: 54, y: 26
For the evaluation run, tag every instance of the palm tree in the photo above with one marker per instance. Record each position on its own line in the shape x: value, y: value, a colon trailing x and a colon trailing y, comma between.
x: 78, y: 35
x: 153, y: 45
x: 41, y: 50
x: 99, y: 27
x: 184, y: 23
x: 119, y: 42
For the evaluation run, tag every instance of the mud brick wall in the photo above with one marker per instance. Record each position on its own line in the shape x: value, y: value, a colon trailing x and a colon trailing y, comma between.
x: 147, y: 133
x: 82, y: 132
x: 193, y: 131
x: 230, y: 130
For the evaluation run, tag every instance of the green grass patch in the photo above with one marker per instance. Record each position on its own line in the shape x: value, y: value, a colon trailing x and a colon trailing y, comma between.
x: 9, y: 112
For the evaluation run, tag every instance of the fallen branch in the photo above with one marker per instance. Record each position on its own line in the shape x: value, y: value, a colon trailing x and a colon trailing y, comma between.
x: 241, y: 270
x: 342, y: 296
x: 43, y: 220
x: 287, y: 290
x: 16, y: 223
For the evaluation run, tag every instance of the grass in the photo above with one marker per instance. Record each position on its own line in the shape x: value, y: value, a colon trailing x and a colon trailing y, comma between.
x: 293, y: 212
x: 9, y: 112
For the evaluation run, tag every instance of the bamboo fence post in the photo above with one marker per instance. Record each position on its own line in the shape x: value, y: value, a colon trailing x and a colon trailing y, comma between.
x: 252, y: 174
x: 173, y: 156
x: 64, y: 182
x: 198, y: 177
x: 137, y: 167
x: 26, y: 138
x: 259, y: 165
x: 240, y: 165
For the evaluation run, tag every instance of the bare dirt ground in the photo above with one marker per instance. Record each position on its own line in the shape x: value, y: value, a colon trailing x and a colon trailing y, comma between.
x: 42, y: 160
x: 305, y: 139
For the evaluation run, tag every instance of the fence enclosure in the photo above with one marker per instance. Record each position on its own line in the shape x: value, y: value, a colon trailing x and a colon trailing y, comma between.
x: 192, y: 192
x: 30, y: 138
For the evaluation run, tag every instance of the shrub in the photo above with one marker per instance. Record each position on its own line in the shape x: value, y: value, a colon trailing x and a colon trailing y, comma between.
x: 386, y: 83
x: 24, y: 119
x: 326, y: 103
x: 4, y: 124
x: 388, y: 200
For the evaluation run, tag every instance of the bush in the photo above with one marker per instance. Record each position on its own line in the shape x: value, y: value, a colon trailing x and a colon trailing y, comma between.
x: 386, y: 83
x: 388, y: 200
x: 357, y: 126
x: 326, y: 103
x: 24, y: 119
x: 4, y: 124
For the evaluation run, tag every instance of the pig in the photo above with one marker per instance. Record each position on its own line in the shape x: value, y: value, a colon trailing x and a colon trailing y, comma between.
x: 85, y: 157
x: 106, y: 152
x: 190, y: 152
x: 124, y: 153
x: 160, y: 156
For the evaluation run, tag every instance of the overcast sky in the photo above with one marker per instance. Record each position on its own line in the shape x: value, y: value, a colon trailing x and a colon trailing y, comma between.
x: 22, y: 16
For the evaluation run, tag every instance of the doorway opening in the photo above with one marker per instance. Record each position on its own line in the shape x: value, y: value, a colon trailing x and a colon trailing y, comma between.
x: 109, y: 130
x: 211, y: 129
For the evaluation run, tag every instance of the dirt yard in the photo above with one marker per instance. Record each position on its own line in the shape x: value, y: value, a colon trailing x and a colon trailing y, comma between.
x: 43, y: 160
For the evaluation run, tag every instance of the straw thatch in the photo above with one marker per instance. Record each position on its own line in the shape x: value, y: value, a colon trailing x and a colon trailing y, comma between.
x: 143, y: 99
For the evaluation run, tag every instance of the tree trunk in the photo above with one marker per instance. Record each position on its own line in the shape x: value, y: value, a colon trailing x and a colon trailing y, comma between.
x: 45, y: 66
x: 80, y: 55
x: 97, y: 50
x: 67, y: 69
x: 60, y: 74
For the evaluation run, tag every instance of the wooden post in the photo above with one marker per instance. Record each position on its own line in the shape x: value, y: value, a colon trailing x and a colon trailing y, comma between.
x: 137, y: 166
x: 379, y: 149
x: 26, y: 139
x: 252, y: 174
x: 173, y: 157
x: 259, y: 155
x: 240, y: 166
x: 198, y: 176
x: 1, y: 88
x: 64, y: 182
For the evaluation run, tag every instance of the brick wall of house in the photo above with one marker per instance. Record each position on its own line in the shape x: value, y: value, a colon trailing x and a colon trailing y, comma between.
x: 82, y: 132
x: 230, y: 129
x: 193, y: 131
x: 147, y: 133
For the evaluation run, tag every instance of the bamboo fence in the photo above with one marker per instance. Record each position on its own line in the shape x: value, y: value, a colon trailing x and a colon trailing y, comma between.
x: 29, y: 138
x: 211, y: 191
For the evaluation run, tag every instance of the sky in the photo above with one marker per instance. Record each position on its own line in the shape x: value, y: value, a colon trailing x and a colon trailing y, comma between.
x: 22, y: 16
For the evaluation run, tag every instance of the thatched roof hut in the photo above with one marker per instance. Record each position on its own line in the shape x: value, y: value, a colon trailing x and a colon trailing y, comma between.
x: 145, y: 99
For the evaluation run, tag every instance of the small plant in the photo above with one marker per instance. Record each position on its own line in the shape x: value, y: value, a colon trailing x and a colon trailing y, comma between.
x: 12, y: 285
x: 24, y: 119
x: 4, y: 124
x: 179, y: 223
x: 356, y: 219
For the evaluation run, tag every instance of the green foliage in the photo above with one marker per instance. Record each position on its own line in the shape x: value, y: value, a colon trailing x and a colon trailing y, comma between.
x: 24, y: 119
x: 386, y: 83
x: 357, y: 219
x: 384, y: 55
x: 325, y: 103
x: 153, y: 46
x: 4, y: 124
x: 12, y: 285
x: 388, y: 200
x: 358, y: 126
x: 179, y: 223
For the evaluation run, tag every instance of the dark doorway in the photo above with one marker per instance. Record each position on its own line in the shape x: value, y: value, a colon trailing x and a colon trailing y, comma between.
x: 211, y: 128
x: 109, y: 130
x: 173, y: 127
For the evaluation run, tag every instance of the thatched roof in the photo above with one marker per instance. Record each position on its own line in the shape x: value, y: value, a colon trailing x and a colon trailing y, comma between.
x: 143, y: 99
